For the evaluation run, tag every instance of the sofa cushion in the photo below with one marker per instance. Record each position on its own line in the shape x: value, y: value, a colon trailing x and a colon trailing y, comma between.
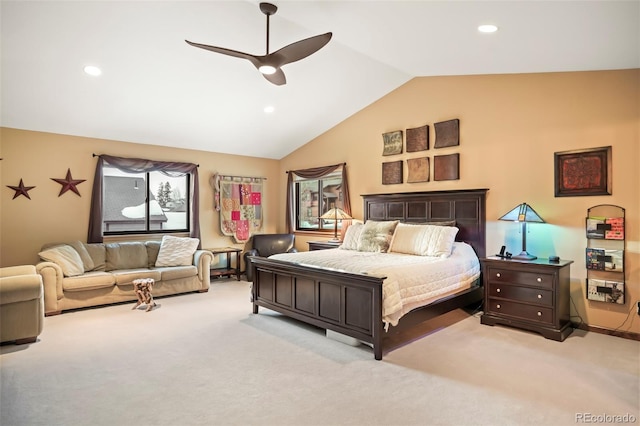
x: 131, y: 255
x: 176, y: 272
x: 66, y: 257
x: 126, y: 276
x: 88, y: 281
x: 153, y: 248
x: 87, y: 261
x: 177, y: 251
x: 98, y: 253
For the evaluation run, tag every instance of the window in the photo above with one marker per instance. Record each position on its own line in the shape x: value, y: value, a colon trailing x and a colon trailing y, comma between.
x: 314, y: 197
x: 144, y: 202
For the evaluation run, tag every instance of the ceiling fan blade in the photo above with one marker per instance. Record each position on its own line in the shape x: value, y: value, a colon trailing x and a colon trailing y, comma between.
x: 276, y: 78
x: 224, y: 51
x: 301, y: 49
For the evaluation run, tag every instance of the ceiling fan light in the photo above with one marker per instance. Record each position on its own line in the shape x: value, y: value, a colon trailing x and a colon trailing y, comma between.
x: 487, y: 28
x: 92, y: 70
x: 267, y: 69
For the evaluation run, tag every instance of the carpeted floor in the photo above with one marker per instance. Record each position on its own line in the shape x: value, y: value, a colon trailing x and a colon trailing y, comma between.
x: 205, y: 359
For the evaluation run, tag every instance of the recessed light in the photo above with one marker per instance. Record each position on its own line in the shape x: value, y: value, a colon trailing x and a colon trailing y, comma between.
x: 487, y: 28
x: 269, y: 109
x: 92, y: 70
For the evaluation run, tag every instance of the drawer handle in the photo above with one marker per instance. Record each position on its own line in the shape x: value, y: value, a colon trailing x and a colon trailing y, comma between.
x: 497, y: 290
x: 539, y: 296
x: 498, y: 306
x: 539, y: 314
x: 498, y: 275
x: 539, y: 280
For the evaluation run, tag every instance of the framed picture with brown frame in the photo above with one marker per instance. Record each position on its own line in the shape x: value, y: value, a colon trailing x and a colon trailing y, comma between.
x: 583, y: 172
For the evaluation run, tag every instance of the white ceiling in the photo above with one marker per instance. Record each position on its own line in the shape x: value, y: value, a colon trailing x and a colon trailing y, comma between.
x: 155, y: 89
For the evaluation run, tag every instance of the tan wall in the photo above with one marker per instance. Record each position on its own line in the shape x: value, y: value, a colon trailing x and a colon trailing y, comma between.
x: 36, y: 157
x: 510, y: 127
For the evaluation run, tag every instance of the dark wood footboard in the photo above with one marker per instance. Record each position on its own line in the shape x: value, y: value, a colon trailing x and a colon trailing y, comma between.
x: 350, y: 304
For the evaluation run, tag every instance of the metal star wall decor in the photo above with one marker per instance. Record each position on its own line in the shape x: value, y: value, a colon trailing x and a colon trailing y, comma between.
x: 69, y: 183
x: 21, y: 190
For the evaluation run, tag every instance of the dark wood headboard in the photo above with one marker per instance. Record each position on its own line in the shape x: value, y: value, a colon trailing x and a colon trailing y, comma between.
x: 466, y: 207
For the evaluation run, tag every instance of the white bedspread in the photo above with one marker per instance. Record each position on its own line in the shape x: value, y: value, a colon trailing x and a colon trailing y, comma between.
x: 412, y: 281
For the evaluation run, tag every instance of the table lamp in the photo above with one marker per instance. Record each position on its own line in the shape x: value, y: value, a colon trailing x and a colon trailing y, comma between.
x: 335, y: 214
x: 523, y: 213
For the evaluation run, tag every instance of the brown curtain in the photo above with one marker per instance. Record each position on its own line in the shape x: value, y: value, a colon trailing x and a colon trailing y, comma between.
x: 314, y: 173
x: 138, y: 165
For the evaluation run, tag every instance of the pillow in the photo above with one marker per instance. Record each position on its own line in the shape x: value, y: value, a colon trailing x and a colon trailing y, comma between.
x: 127, y: 255
x: 442, y: 223
x: 87, y: 261
x: 177, y: 251
x: 376, y: 236
x: 423, y: 240
x: 66, y: 257
x: 351, y: 236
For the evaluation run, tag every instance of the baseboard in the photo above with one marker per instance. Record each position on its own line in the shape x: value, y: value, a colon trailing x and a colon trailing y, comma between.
x: 617, y: 333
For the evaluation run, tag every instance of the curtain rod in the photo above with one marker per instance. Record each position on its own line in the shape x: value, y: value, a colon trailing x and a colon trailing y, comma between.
x: 339, y: 164
x: 98, y: 155
x: 242, y: 177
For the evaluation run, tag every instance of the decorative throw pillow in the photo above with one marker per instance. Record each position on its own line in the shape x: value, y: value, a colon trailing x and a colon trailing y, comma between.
x: 66, y: 257
x: 177, y: 251
x: 376, y: 236
x: 423, y: 240
x: 351, y: 236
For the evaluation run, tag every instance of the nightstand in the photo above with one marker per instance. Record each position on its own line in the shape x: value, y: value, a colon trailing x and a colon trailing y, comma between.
x: 532, y: 295
x: 323, y: 245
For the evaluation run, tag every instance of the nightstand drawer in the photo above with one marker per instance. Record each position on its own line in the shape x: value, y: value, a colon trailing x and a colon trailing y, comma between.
x: 505, y: 276
x: 521, y: 294
x: 520, y: 310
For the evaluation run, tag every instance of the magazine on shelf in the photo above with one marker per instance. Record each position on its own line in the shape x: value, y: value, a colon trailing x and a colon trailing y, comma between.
x: 616, y: 231
x: 595, y: 227
x: 604, y: 259
x: 605, y: 291
x: 608, y: 228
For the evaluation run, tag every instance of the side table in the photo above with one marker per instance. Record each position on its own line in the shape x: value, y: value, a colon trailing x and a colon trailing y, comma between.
x: 533, y: 295
x: 228, y: 270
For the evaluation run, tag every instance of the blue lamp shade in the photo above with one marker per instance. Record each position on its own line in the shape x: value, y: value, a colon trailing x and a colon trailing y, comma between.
x: 523, y: 213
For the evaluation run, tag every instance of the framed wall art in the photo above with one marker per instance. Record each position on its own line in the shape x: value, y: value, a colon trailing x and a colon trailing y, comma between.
x: 392, y: 143
x: 418, y: 139
x: 392, y: 172
x: 418, y: 169
x: 446, y: 167
x: 583, y: 172
x: 447, y: 133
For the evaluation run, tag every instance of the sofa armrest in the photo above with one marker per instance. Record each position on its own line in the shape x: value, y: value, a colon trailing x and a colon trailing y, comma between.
x: 20, y: 288
x: 52, y: 283
x: 11, y: 271
x: 202, y: 259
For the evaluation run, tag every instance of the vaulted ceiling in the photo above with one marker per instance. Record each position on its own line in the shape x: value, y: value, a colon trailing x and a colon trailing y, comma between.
x: 156, y: 89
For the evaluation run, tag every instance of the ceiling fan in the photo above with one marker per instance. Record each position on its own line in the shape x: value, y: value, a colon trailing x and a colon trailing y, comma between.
x: 270, y: 64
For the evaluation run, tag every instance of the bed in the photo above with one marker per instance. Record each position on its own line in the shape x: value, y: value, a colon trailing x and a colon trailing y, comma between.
x: 351, y: 303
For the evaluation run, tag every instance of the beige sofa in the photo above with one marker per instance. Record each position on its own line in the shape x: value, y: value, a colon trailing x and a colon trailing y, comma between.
x: 107, y: 271
x: 21, y: 304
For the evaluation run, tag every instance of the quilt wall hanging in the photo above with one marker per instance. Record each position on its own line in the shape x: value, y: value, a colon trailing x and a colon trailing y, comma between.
x: 238, y: 199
